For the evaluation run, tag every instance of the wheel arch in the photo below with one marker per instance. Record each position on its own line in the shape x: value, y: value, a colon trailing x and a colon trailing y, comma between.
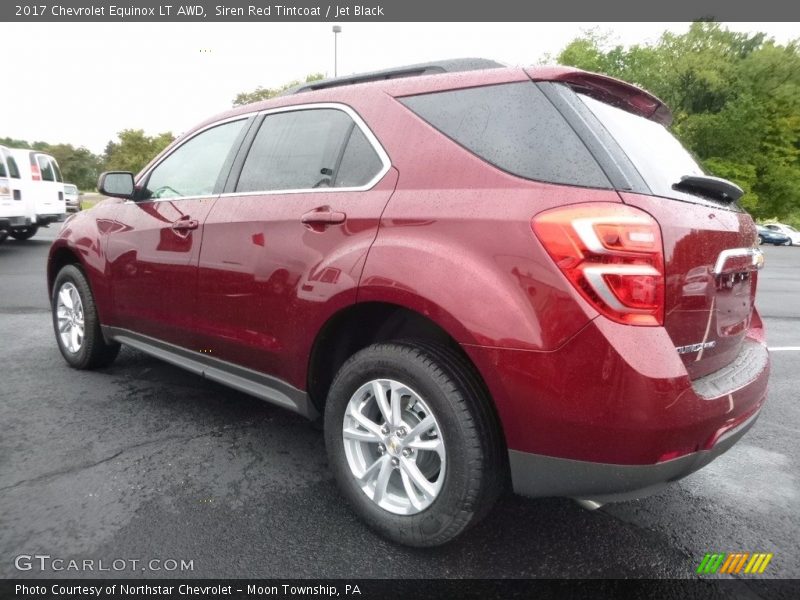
x: 60, y: 257
x: 362, y: 324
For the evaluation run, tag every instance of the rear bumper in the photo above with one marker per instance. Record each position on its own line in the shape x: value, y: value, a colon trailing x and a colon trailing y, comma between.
x: 613, y: 411
x: 45, y: 220
x: 11, y: 222
x: 537, y: 476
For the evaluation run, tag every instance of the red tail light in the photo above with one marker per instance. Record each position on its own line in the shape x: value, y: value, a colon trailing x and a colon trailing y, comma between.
x: 36, y: 175
x: 612, y: 254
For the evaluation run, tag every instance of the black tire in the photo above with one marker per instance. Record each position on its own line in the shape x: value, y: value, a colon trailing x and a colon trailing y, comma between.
x: 3, y: 235
x: 476, y: 472
x: 94, y: 351
x: 760, y: 240
x: 24, y: 233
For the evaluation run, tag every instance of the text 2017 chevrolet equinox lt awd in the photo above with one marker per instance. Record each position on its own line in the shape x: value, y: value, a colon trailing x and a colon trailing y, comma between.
x: 475, y: 276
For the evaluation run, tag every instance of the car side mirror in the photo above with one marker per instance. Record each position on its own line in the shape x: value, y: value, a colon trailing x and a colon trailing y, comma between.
x: 118, y: 184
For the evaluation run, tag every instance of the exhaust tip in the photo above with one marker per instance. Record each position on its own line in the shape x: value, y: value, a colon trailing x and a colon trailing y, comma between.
x: 588, y: 504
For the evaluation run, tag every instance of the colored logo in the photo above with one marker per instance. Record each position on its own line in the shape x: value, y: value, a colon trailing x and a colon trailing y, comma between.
x: 734, y: 562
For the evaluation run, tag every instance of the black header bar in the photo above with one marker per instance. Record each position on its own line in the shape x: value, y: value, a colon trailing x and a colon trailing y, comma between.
x: 395, y: 10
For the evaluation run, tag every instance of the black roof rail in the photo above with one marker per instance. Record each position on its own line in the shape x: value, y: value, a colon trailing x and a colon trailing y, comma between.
x: 453, y: 65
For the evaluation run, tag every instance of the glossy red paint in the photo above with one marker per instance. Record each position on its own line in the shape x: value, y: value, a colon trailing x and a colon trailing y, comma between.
x: 608, y: 89
x: 268, y: 282
x: 151, y: 261
x: 608, y: 396
x: 698, y: 306
x: 447, y: 236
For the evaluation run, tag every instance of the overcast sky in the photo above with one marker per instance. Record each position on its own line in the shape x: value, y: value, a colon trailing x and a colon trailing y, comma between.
x: 81, y: 83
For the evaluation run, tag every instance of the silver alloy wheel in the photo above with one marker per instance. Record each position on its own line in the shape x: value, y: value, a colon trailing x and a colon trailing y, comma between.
x: 69, y: 312
x: 394, y: 446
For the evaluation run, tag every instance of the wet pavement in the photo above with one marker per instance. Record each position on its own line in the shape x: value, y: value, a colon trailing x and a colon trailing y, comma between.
x: 143, y: 461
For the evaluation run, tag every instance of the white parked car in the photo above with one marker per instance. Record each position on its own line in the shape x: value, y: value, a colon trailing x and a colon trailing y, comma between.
x: 786, y: 230
x: 41, y: 189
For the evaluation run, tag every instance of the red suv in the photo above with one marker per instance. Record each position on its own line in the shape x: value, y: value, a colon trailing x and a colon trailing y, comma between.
x: 476, y: 277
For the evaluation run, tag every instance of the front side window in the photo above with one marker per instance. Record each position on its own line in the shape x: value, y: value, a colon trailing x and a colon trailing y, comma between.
x: 308, y: 149
x: 193, y: 169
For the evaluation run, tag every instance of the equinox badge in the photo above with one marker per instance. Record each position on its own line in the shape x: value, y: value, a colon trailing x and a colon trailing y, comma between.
x: 695, y: 347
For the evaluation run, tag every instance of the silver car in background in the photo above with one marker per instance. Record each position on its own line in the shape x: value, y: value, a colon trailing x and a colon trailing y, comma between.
x: 72, y: 198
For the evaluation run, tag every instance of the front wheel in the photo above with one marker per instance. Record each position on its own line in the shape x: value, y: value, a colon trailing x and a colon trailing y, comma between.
x: 76, y: 324
x: 24, y: 233
x: 414, y: 442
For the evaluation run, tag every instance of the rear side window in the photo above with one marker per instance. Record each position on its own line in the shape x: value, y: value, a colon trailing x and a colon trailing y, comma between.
x: 308, y: 149
x: 360, y: 163
x: 514, y: 127
x: 45, y: 168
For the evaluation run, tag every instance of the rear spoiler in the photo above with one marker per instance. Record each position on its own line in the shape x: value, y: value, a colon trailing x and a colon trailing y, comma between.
x: 607, y: 89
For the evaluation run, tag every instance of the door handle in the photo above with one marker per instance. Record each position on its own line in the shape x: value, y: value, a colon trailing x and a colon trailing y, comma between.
x: 323, y: 216
x: 185, y: 224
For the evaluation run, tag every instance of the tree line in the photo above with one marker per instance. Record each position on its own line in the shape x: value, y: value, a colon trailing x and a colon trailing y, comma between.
x: 735, y: 98
x: 129, y: 152
x: 132, y: 149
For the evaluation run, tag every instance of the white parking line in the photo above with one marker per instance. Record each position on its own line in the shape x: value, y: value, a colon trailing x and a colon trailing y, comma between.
x: 783, y: 348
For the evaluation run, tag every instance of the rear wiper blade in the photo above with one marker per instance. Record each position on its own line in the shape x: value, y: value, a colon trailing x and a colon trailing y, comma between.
x: 714, y: 187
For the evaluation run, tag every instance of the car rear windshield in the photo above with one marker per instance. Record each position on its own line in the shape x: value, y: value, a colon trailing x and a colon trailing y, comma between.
x: 57, y: 170
x: 514, y: 127
x: 45, y: 168
x: 660, y: 158
x: 13, y: 169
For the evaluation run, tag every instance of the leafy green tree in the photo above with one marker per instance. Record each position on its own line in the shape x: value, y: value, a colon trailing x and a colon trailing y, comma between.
x: 262, y: 93
x: 134, y: 150
x: 735, y: 99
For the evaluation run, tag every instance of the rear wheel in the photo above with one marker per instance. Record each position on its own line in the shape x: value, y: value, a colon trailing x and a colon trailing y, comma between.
x: 76, y: 324
x: 413, y: 442
x: 24, y: 233
x: 760, y: 240
x: 3, y: 235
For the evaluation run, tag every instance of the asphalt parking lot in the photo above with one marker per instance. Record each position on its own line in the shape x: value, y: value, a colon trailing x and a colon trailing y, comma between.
x: 143, y: 460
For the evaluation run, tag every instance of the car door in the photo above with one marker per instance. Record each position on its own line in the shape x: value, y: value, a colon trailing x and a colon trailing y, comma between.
x: 283, y: 248
x: 154, y: 245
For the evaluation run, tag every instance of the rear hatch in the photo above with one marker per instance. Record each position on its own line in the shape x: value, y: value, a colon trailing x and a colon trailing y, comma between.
x: 710, y: 259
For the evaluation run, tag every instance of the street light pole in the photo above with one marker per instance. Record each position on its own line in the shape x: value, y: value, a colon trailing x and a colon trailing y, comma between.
x: 337, y: 29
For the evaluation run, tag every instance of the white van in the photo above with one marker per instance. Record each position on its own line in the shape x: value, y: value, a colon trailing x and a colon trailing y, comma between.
x: 14, y: 212
x: 42, y: 189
